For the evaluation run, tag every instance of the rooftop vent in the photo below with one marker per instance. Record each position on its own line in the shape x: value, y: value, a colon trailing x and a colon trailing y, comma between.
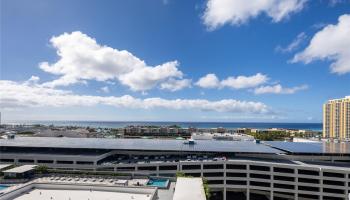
x: 190, y: 141
x: 10, y: 136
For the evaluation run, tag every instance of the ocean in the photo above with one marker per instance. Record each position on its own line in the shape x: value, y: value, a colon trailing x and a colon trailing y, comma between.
x: 118, y: 124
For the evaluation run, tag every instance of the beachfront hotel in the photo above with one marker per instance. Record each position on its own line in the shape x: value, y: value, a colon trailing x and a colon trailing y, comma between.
x: 336, y: 118
x: 233, y: 169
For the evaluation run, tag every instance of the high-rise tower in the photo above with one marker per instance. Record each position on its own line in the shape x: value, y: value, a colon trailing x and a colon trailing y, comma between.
x: 336, y: 118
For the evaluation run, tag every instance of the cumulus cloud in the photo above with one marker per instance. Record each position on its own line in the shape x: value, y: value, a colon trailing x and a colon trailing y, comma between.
x: 17, y: 95
x: 236, y: 12
x: 293, y: 45
x: 81, y: 58
x: 148, y: 77
x: 239, y: 82
x: 278, y: 89
x: 175, y: 85
x: 331, y: 43
x: 208, y: 81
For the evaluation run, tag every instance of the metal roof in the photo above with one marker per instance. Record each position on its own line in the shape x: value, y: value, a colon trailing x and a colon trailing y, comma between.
x: 21, y: 169
x: 140, y: 144
x: 311, y: 147
x: 3, y: 166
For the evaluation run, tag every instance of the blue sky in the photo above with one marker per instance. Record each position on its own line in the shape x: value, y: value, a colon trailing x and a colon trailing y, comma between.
x: 158, y: 60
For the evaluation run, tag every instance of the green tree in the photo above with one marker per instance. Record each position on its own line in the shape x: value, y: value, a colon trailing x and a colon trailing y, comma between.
x: 206, y: 188
x: 41, y: 169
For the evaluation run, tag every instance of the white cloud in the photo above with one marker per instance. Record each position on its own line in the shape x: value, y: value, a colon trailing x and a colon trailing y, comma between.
x: 32, y: 80
x: 148, y: 77
x: 208, y: 81
x: 82, y: 58
x: 239, y: 82
x: 236, y: 12
x: 175, y: 85
x: 278, y: 89
x: 104, y: 89
x: 331, y: 43
x: 16, y: 95
x: 294, y: 44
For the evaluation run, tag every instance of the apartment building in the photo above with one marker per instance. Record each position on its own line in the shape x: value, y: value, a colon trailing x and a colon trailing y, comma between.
x: 336, y: 119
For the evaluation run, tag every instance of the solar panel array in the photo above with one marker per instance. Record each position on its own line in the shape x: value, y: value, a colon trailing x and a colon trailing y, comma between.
x: 311, y: 147
x: 140, y: 144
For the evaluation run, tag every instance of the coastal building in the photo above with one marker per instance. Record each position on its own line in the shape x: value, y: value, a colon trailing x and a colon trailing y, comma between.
x: 222, y: 136
x: 233, y: 169
x: 336, y: 119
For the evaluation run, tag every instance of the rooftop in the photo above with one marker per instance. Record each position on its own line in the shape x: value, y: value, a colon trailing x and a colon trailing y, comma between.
x: 38, y: 190
x: 64, y: 194
x: 140, y: 144
x: 21, y: 169
x: 311, y: 147
x: 3, y: 166
x: 189, y: 188
x: 266, y: 147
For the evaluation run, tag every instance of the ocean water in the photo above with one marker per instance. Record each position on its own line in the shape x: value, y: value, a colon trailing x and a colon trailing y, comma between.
x: 117, y: 124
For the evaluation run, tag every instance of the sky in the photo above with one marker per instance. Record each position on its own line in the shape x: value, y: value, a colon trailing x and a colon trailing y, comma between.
x: 167, y: 60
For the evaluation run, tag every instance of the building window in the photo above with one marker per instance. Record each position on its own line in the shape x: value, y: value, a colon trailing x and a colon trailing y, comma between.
x: 213, y: 166
x: 261, y: 184
x: 308, y: 172
x: 308, y: 188
x: 85, y: 163
x: 333, y: 174
x: 184, y: 167
x: 335, y: 191
x: 229, y: 174
x: 64, y: 162
x: 148, y: 168
x: 261, y: 176
x: 45, y: 161
x: 283, y: 186
x: 232, y: 182
x: 172, y: 167
x: 213, y: 174
x: 308, y: 180
x: 230, y: 166
x: 283, y: 178
x: 259, y: 168
x: 308, y: 196
x: 328, y: 182
x: 283, y: 170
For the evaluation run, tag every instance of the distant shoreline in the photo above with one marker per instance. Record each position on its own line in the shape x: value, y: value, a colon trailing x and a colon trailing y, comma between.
x: 121, y: 124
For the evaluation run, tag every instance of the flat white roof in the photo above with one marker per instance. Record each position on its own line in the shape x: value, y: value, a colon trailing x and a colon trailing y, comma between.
x: 3, y: 166
x: 122, y: 181
x: 45, y: 194
x: 189, y: 189
x: 20, y: 169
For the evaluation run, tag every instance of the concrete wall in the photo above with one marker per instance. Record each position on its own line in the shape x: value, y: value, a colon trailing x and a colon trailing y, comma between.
x: 61, y: 186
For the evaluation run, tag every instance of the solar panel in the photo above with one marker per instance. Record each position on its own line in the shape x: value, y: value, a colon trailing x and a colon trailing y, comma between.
x: 140, y: 144
x: 311, y: 147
